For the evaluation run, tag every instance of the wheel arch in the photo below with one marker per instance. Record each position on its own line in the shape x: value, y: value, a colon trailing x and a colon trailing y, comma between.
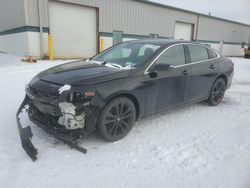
x: 224, y: 77
x: 129, y: 96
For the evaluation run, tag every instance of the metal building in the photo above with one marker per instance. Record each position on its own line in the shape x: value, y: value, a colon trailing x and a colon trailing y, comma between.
x: 78, y: 26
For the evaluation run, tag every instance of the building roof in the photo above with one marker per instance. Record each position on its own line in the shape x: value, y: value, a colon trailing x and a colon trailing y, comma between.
x: 192, y: 12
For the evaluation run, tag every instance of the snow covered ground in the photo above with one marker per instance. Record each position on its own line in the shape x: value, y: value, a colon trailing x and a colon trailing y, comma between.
x: 196, y: 146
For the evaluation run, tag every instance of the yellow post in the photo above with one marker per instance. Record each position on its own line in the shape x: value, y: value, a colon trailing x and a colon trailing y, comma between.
x: 101, y: 44
x: 50, y: 48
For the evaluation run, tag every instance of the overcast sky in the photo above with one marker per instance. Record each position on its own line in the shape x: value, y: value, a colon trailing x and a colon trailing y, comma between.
x: 237, y: 10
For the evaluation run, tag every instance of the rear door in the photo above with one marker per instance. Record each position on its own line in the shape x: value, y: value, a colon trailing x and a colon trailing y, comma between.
x: 204, y: 71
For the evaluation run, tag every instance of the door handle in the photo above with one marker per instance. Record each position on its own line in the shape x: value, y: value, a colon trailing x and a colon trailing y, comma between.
x: 212, y: 66
x: 185, y: 73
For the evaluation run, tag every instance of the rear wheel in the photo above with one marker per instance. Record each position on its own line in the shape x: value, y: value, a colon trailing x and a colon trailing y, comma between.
x: 116, y: 119
x: 217, y: 92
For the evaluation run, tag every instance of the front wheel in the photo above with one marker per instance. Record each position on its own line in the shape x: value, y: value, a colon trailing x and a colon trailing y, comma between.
x: 116, y: 119
x: 217, y: 92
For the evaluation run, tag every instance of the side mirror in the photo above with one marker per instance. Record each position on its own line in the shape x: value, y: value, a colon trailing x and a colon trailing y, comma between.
x: 153, y: 74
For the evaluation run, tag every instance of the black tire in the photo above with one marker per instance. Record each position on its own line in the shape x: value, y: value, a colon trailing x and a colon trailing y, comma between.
x: 116, y: 119
x: 217, y: 92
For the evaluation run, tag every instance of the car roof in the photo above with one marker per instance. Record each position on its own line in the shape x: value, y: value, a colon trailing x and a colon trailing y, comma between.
x: 163, y: 42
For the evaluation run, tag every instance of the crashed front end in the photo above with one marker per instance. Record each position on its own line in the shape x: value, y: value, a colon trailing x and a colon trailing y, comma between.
x: 66, y: 112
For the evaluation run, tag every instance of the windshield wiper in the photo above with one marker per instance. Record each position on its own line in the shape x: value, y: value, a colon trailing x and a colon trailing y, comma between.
x: 104, y: 63
x: 116, y: 65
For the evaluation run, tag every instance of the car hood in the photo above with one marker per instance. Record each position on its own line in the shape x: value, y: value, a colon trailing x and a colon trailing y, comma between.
x: 81, y: 73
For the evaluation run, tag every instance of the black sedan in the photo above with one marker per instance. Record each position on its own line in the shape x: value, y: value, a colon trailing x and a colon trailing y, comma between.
x: 117, y: 87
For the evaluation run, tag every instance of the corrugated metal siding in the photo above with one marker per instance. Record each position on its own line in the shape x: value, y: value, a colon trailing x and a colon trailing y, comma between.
x: 133, y: 17
x: 213, y: 29
x: 129, y: 16
x: 12, y: 14
x: 32, y: 11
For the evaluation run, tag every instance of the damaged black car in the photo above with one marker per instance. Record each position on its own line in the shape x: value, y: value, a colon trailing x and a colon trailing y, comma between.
x: 111, y: 91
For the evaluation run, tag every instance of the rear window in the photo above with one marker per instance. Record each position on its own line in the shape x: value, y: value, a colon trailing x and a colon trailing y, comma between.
x: 211, y: 54
x: 197, y: 53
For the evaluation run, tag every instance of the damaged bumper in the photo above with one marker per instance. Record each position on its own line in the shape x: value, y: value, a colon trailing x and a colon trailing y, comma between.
x: 68, y: 115
x: 26, y: 134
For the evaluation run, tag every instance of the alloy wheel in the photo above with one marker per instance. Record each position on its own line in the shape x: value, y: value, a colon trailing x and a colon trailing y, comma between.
x: 218, y: 91
x: 118, y: 119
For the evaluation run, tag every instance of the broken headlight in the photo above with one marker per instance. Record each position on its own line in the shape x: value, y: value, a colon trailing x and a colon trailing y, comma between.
x: 80, y: 97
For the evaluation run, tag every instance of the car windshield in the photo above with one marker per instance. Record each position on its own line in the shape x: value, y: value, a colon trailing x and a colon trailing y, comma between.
x: 128, y: 55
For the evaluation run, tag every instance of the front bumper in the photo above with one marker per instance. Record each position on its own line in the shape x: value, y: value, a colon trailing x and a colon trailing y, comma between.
x: 26, y: 134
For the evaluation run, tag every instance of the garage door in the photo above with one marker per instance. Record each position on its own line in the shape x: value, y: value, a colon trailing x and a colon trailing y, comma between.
x: 73, y: 29
x: 183, y: 31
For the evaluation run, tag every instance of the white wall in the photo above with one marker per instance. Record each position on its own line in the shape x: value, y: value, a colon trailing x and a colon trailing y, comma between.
x: 28, y: 43
x: 34, y: 44
x: 15, y: 44
x: 229, y: 49
x: 128, y: 39
x: 232, y: 50
x: 23, y: 44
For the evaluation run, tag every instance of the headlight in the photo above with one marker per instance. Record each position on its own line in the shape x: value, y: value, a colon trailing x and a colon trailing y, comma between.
x: 78, y: 97
x: 89, y: 94
x: 29, y: 92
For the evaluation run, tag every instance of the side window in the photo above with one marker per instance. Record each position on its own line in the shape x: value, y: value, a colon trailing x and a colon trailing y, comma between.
x: 197, y: 53
x: 211, y: 54
x: 175, y: 55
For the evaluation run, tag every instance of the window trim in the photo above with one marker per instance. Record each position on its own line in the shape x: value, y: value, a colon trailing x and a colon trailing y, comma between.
x: 153, y: 62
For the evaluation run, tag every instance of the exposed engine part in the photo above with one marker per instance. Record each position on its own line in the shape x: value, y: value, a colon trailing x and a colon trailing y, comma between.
x: 64, y: 88
x: 69, y: 118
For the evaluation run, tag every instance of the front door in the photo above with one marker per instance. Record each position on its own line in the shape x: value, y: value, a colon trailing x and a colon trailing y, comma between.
x: 167, y: 80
